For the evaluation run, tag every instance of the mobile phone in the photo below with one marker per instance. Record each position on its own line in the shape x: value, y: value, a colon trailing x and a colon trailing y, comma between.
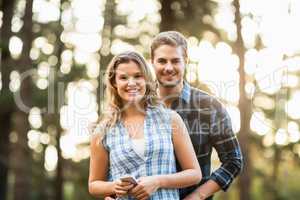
x: 129, y: 179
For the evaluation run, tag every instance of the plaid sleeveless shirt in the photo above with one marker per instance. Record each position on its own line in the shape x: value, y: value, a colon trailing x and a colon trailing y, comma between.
x: 158, y: 156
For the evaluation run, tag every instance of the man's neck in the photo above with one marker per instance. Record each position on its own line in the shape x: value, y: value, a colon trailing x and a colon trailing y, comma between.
x: 168, y: 94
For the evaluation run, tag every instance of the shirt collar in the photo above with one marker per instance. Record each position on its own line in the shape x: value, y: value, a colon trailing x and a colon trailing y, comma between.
x: 186, y: 92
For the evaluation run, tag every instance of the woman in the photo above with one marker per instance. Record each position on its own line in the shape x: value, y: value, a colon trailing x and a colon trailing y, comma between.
x: 138, y: 137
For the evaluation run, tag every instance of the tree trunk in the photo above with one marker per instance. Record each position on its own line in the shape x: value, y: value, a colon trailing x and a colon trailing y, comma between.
x: 53, y: 114
x: 274, y: 178
x: 21, y: 160
x: 5, y: 127
x: 167, y: 17
x: 58, y: 101
x: 245, y: 110
x: 59, y: 179
x: 21, y: 153
x: 281, y: 121
x: 105, y: 55
x: 7, y: 7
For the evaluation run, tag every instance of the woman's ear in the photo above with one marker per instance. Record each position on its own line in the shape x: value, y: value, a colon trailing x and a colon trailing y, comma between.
x: 114, y: 84
x: 113, y: 81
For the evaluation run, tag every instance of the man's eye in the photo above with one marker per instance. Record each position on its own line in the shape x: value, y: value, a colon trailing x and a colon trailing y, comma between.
x: 161, y: 61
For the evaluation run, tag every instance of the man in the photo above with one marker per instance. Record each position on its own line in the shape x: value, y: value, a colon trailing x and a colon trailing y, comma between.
x: 206, y: 119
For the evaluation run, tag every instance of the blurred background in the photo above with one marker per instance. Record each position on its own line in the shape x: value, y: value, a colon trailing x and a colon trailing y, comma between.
x: 54, y: 54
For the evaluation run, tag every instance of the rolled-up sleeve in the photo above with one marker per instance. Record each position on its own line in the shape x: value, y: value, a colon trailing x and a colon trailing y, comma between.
x: 227, y: 146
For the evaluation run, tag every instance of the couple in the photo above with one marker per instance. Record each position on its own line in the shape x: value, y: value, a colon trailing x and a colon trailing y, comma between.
x: 168, y: 152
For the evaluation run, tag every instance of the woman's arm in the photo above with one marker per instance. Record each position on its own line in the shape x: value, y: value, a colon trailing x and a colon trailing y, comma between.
x: 185, y: 154
x: 98, y: 169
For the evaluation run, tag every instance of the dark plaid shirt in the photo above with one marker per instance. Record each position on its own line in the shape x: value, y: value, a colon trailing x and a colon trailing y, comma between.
x: 209, y: 126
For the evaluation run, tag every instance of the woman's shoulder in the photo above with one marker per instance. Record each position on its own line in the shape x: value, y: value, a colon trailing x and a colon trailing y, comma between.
x: 102, y: 130
x: 162, y: 111
x: 105, y: 135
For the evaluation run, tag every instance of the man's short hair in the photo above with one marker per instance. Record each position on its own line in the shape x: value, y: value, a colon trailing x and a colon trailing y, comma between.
x: 172, y: 38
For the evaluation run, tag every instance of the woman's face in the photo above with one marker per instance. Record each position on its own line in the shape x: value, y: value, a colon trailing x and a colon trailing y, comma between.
x: 130, y: 82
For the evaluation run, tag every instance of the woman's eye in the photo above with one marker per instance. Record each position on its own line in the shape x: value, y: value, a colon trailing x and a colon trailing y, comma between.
x: 138, y: 76
x: 123, y: 77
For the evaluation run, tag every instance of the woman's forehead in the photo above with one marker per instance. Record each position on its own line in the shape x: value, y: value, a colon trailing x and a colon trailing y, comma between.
x: 130, y: 67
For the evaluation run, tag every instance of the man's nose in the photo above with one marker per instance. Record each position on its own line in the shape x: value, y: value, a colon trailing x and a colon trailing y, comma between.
x: 168, y: 66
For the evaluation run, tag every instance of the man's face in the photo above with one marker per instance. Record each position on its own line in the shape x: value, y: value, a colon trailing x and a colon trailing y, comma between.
x: 169, y: 63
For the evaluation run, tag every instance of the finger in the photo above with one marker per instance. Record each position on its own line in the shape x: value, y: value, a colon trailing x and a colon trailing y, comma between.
x: 136, y: 188
x: 128, y: 187
x: 145, y: 198
x: 121, y: 188
x: 132, y: 186
x: 124, y: 188
x: 140, y: 192
x: 118, y: 183
x: 108, y: 198
x: 125, y: 183
x: 142, y: 196
x: 120, y: 193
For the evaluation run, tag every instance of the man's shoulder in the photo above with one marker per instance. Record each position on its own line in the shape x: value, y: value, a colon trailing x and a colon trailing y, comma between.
x: 205, y: 99
x: 200, y: 93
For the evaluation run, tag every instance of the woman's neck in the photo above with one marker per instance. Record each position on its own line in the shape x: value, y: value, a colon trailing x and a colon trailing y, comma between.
x: 133, y: 110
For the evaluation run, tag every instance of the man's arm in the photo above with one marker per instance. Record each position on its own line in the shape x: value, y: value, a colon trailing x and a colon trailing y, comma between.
x: 206, y: 190
x: 226, y: 144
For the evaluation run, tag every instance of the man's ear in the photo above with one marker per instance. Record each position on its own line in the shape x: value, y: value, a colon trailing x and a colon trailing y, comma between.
x: 186, y: 60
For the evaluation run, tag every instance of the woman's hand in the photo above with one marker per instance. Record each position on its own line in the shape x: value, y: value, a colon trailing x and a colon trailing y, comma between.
x: 121, y: 188
x: 145, y: 188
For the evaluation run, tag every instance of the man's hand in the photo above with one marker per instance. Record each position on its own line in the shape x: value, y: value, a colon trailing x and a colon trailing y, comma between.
x: 206, y: 190
x: 146, y: 186
x: 108, y: 198
x: 195, y: 196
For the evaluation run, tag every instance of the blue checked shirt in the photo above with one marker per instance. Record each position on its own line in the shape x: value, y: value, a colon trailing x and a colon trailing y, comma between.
x: 209, y: 127
x: 158, y: 157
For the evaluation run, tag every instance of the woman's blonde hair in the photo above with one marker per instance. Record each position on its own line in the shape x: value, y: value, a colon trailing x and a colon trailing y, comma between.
x: 113, y: 102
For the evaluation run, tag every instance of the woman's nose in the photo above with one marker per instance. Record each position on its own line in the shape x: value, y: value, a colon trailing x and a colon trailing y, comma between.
x: 131, y: 81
